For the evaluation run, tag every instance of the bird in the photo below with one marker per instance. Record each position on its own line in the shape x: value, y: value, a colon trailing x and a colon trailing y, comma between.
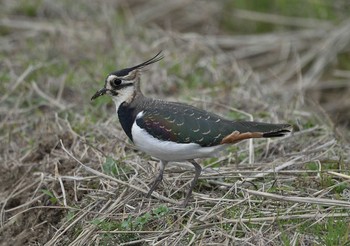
x: 173, y: 131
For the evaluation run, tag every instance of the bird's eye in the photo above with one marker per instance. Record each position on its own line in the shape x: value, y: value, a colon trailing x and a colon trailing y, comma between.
x: 115, y: 82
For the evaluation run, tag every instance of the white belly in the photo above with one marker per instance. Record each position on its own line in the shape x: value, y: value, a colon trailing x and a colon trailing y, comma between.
x: 167, y: 150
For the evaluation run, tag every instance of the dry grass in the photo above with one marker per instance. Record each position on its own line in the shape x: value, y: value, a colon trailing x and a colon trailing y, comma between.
x: 70, y: 176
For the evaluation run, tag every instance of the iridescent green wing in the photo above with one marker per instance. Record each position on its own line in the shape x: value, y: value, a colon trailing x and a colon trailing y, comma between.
x: 184, y: 124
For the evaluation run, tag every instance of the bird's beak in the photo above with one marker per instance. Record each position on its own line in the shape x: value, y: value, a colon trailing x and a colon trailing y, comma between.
x: 99, y: 93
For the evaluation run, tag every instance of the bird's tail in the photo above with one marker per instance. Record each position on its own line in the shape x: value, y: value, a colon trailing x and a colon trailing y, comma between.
x: 266, y: 129
x: 251, y: 129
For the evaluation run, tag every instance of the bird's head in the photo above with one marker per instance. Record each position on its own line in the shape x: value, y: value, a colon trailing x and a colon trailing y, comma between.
x: 122, y: 84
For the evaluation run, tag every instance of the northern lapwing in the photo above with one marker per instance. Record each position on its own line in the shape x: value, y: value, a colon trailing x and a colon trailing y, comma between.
x: 172, y: 131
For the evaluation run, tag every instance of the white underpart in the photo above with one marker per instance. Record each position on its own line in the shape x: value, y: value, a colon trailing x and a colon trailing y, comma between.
x: 167, y: 150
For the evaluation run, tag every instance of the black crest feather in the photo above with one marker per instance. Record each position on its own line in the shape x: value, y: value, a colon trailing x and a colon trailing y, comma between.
x: 126, y: 71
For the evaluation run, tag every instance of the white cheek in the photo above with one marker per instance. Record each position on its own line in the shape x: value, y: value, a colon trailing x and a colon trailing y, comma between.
x: 124, y: 95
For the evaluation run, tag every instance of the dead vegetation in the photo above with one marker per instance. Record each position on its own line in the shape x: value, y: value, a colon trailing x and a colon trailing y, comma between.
x: 69, y: 176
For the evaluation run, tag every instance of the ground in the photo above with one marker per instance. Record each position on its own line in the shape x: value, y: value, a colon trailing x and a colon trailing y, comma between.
x: 69, y: 175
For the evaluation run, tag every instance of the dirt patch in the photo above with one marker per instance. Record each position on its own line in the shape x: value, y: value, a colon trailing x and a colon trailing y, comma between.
x: 34, y: 226
x: 29, y: 187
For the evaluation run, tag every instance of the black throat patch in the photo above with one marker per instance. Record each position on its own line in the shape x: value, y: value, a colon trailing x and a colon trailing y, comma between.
x: 127, y: 115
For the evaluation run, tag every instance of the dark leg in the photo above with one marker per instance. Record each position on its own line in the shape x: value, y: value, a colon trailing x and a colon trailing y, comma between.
x: 198, y: 171
x: 158, y: 179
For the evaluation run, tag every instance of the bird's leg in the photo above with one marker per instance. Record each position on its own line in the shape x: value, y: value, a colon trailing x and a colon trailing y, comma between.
x: 198, y: 171
x: 158, y: 179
